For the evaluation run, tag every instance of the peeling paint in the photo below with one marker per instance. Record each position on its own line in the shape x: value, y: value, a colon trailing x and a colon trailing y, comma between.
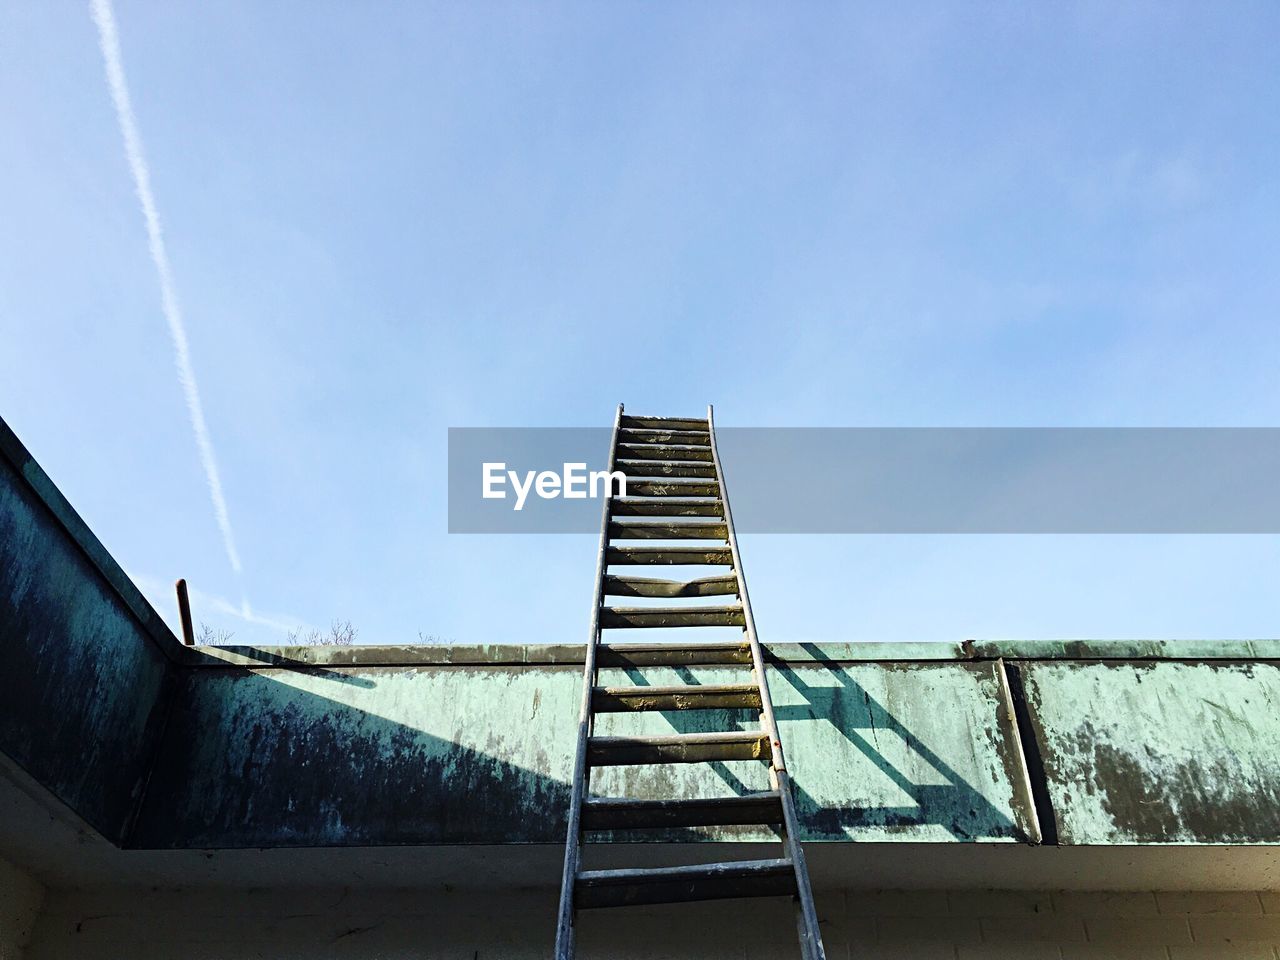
x: 442, y: 755
x: 1160, y: 752
x: 81, y: 685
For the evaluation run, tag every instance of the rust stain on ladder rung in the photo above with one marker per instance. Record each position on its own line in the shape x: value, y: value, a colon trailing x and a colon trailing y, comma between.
x: 672, y: 655
x: 650, y: 450
x: 718, y: 586
x: 666, y: 507
x: 627, y: 813
x: 683, y: 438
x: 708, y: 696
x: 673, y: 617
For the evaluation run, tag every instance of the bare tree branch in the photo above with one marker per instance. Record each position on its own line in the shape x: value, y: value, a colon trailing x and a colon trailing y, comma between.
x: 211, y: 637
x: 340, y: 634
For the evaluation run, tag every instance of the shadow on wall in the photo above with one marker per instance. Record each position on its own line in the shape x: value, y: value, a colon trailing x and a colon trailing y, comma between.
x: 954, y: 804
x: 288, y: 758
x: 848, y: 708
x: 309, y: 756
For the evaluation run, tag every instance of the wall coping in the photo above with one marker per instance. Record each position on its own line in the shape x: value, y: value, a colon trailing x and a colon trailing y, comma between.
x: 517, y: 655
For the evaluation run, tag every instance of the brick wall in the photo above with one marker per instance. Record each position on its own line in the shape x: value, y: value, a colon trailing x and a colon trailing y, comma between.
x: 485, y: 925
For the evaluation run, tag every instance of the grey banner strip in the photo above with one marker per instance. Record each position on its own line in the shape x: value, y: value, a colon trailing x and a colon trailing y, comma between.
x: 910, y: 480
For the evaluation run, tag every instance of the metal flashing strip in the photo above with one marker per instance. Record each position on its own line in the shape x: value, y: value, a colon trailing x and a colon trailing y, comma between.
x: 556, y: 655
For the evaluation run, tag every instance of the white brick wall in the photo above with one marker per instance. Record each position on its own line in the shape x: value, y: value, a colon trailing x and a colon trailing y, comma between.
x: 485, y: 925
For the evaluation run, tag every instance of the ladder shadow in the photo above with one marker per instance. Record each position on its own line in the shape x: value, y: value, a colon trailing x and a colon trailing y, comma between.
x: 956, y: 805
x: 698, y: 721
x: 689, y: 721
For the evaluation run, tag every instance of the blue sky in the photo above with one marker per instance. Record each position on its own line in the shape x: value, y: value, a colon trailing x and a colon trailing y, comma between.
x: 385, y: 220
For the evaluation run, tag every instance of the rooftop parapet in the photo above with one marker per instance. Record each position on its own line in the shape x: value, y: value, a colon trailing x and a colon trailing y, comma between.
x: 157, y: 746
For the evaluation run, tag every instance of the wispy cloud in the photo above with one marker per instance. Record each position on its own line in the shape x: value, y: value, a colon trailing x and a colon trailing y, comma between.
x: 1143, y: 181
x: 109, y: 41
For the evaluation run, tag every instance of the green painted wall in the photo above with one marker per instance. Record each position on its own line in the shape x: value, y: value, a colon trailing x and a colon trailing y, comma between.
x: 1160, y: 752
x: 81, y: 679
x: 483, y: 754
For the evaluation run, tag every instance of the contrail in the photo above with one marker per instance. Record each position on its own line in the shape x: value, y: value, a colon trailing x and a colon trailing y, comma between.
x: 109, y: 41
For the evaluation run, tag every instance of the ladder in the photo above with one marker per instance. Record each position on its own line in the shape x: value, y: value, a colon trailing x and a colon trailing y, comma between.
x: 676, y: 492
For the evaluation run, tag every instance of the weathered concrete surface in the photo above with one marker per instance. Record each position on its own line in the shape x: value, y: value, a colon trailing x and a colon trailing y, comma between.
x: 1149, y: 752
x: 1133, y: 751
x: 81, y: 678
x: 393, y: 755
x: 388, y: 756
x: 877, y: 751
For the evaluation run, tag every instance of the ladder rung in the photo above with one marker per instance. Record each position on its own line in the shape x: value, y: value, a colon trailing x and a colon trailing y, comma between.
x: 688, y: 438
x: 664, y: 423
x: 627, y: 813
x: 708, y: 881
x: 721, y: 586
x: 672, y: 488
x: 687, y: 616
x: 665, y: 507
x: 729, y: 696
x: 673, y: 655
x: 627, y: 530
x: 658, y: 451
x: 670, y: 556
x: 679, y: 748
x: 664, y: 468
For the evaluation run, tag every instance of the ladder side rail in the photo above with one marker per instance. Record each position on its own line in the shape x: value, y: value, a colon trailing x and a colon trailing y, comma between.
x: 810, y: 936
x: 565, y: 934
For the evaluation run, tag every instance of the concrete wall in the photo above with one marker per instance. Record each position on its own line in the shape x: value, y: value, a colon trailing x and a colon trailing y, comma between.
x: 459, y: 924
x: 1159, y: 752
x: 1093, y: 744
x: 83, y: 670
x: 21, y: 897
x: 482, y: 753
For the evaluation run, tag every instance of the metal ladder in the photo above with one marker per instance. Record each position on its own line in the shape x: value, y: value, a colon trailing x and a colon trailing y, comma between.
x: 676, y: 491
